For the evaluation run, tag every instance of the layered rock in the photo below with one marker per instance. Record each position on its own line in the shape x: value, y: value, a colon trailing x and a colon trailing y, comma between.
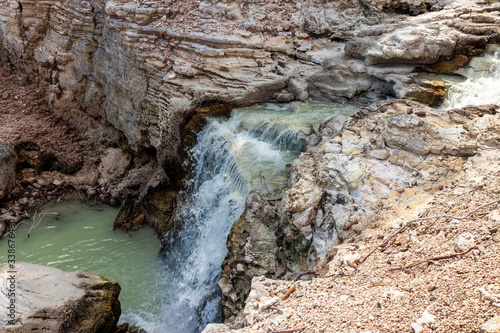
x: 385, y: 151
x: 49, y: 299
x: 136, y: 70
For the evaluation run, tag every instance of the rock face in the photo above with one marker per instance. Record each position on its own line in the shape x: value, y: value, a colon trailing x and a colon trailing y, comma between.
x: 384, y: 151
x: 137, y: 70
x: 252, y: 252
x: 48, y: 299
x: 8, y: 160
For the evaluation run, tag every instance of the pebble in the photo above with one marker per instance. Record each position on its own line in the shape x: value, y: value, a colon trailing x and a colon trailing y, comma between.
x: 464, y: 242
x: 491, y: 326
x: 5, y: 95
x: 269, y: 303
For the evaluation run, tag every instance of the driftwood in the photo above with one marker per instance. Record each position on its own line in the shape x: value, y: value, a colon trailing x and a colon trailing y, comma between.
x: 449, y: 256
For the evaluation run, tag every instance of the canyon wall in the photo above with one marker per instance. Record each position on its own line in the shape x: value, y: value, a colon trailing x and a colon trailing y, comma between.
x: 135, y: 71
x: 132, y: 74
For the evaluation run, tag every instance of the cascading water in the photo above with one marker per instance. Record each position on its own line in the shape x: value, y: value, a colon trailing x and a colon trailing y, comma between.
x: 482, y: 83
x: 251, y: 150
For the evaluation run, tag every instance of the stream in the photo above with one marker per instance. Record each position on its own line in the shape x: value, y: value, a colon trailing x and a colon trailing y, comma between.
x: 252, y: 150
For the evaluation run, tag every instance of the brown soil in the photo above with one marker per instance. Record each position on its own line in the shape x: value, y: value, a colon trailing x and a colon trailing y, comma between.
x: 47, y: 146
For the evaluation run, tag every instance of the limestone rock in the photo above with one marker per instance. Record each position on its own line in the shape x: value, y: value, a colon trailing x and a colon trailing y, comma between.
x: 134, y: 73
x: 351, y: 259
x: 491, y: 326
x: 251, y: 252
x: 464, y: 242
x: 113, y: 166
x: 382, y: 152
x: 8, y: 160
x: 49, y: 299
x: 490, y: 294
x: 216, y: 328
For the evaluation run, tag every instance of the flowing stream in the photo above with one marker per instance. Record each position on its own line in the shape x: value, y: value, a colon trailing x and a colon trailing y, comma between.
x: 177, y: 290
x: 481, y: 84
x: 251, y: 150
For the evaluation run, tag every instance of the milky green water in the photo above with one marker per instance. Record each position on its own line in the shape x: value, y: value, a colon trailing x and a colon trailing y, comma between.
x: 80, y: 237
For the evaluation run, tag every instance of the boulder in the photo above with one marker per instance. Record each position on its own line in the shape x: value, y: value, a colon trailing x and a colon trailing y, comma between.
x: 8, y: 160
x: 47, y: 299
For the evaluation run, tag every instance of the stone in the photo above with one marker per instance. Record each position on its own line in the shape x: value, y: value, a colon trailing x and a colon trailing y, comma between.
x: 252, y: 240
x: 8, y: 163
x: 352, y: 259
x: 490, y: 294
x: 464, y: 242
x: 417, y: 328
x: 48, y: 299
x: 380, y: 154
x: 5, y: 95
x: 113, y: 166
x: 269, y: 303
x: 216, y: 328
x: 491, y: 326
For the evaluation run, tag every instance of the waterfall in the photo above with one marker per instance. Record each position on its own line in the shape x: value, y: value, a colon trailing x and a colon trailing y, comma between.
x: 482, y: 82
x: 250, y: 151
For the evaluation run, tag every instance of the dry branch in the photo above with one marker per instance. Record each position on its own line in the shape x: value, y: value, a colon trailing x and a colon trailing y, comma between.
x: 287, y: 294
x: 350, y: 225
x: 434, y: 259
x: 304, y: 273
x: 384, y: 245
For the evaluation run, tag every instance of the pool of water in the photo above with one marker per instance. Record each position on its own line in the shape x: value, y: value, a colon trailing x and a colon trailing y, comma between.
x: 74, y: 236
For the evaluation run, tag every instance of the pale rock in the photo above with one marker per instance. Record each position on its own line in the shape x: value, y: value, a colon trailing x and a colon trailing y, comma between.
x: 216, y: 328
x: 417, y: 328
x: 426, y: 318
x: 351, y: 259
x: 380, y: 154
x: 464, y: 242
x: 48, y: 298
x: 269, y: 303
x: 491, y: 326
x: 491, y: 294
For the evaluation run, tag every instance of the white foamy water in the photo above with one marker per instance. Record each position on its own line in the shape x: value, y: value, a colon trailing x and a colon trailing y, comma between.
x: 482, y: 85
x: 251, y: 150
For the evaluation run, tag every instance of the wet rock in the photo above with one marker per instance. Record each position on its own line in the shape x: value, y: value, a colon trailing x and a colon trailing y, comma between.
x: 383, y: 152
x: 48, y: 299
x: 252, y: 252
x: 8, y: 161
x: 491, y: 326
x: 428, y: 92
